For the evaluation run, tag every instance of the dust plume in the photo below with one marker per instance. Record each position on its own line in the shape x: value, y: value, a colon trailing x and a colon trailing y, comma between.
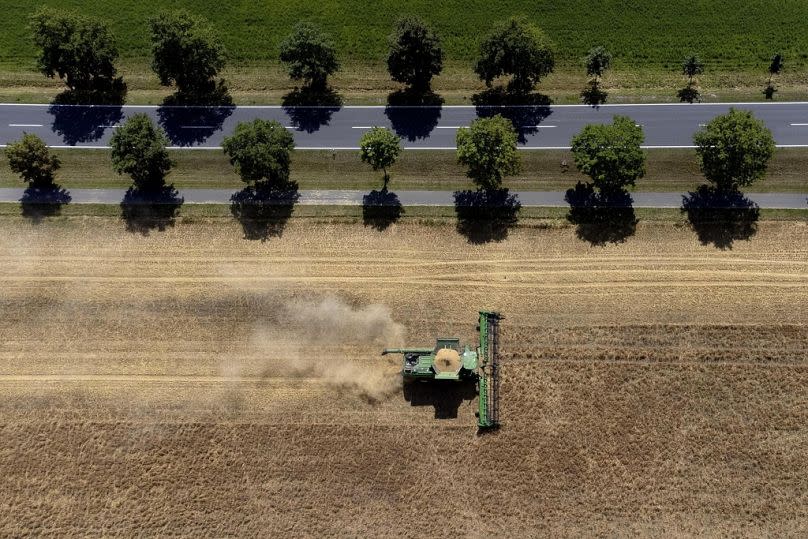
x: 333, y: 320
x: 310, y: 343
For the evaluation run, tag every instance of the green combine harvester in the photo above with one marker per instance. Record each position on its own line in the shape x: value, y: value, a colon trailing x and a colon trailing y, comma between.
x: 448, y: 361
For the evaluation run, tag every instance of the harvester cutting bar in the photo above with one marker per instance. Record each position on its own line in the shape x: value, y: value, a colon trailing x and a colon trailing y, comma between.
x: 488, y: 356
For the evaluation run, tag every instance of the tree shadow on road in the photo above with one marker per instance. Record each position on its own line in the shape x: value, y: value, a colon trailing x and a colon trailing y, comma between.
x: 145, y: 210
x: 190, y: 119
x: 380, y: 209
x: 445, y: 397
x: 720, y: 217
x: 486, y: 215
x: 525, y: 110
x: 413, y: 115
x: 77, y: 124
x: 310, y: 108
x: 37, y: 203
x: 263, y: 210
x: 601, y: 217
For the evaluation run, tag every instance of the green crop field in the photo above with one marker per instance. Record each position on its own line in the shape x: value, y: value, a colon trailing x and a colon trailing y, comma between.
x: 728, y: 34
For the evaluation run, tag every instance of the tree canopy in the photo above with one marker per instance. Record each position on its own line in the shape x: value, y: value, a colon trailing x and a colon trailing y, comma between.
x: 415, y: 53
x: 692, y: 66
x: 32, y: 160
x: 380, y: 148
x: 610, y: 154
x: 488, y: 149
x: 734, y: 149
x: 597, y: 61
x: 79, y: 49
x: 186, y: 51
x: 260, y: 151
x: 139, y: 150
x: 309, y: 55
x: 518, y: 48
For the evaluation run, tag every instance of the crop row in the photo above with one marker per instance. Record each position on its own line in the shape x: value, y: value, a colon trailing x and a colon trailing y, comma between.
x: 732, y: 34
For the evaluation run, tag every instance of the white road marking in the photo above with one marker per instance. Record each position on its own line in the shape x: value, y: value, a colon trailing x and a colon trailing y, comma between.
x: 198, y: 127
x: 702, y: 125
x: 110, y: 126
x: 25, y: 125
x: 798, y: 125
x: 520, y: 127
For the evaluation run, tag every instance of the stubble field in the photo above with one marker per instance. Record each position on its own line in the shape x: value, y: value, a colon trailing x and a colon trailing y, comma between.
x: 192, y: 382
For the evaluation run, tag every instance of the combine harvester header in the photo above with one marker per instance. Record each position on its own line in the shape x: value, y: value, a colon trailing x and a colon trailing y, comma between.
x: 448, y: 361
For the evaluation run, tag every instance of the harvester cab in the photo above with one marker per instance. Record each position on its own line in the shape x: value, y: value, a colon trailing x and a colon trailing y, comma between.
x: 447, y: 360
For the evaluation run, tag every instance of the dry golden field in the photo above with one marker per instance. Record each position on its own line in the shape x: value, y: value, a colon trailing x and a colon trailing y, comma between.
x: 192, y: 382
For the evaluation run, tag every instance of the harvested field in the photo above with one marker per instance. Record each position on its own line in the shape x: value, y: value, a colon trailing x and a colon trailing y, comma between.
x: 192, y: 382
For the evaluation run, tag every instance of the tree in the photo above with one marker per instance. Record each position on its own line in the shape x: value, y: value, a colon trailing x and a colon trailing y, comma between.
x: 380, y: 148
x: 186, y: 51
x: 415, y: 54
x: 734, y: 149
x: 775, y: 67
x: 31, y: 159
x: 139, y: 150
x: 691, y: 66
x: 260, y: 151
x: 309, y: 55
x: 610, y: 154
x: 488, y: 149
x: 597, y: 60
x: 80, y: 50
x: 518, y: 48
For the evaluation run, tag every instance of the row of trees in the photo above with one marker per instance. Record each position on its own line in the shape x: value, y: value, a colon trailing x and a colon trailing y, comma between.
x: 733, y: 151
x: 188, y: 53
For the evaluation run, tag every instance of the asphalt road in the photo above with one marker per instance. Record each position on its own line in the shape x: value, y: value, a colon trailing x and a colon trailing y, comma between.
x: 414, y: 198
x: 665, y: 125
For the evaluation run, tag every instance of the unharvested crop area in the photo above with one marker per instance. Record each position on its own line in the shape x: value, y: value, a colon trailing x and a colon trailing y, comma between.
x: 735, y: 38
x: 732, y: 33
x: 193, y: 382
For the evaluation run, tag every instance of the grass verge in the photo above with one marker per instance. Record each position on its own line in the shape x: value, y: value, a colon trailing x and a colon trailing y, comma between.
x: 370, y: 84
x: 528, y: 216
x: 668, y: 170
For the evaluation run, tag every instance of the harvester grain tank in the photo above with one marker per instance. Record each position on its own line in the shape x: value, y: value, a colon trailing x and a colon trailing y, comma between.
x: 449, y: 361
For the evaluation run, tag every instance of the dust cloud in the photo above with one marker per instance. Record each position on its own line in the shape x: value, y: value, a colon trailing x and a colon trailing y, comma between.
x: 314, y: 339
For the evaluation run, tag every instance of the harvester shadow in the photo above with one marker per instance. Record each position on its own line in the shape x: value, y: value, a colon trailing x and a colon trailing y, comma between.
x: 380, y: 209
x: 37, y: 203
x: 720, y: 217
x: 445, y: 397
x: 486, y: 215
